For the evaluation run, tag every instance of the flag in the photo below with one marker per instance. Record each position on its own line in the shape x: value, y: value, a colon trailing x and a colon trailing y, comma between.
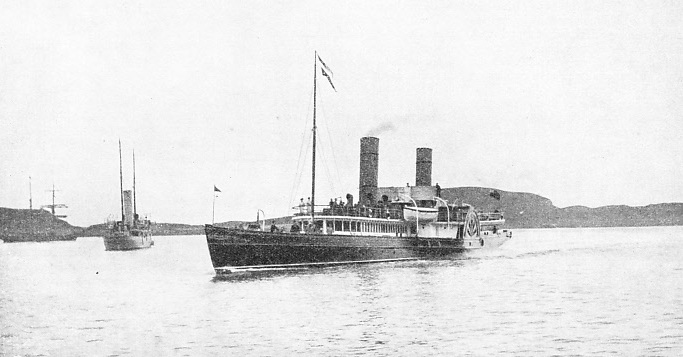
x: 215, y: 189
x: 327, y: 72
x: 324, y: 65
x: 329, y: 79
x: 495, y: 194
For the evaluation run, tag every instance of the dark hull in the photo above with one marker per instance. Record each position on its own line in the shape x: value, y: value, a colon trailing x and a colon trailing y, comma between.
x: 238, y: 248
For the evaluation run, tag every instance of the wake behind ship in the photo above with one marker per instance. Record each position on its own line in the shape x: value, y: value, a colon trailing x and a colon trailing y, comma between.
x: 386, y: 224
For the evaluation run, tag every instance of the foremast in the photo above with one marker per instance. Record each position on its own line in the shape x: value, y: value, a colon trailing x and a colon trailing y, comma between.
x: 315, y: 86
x: 327, y: 72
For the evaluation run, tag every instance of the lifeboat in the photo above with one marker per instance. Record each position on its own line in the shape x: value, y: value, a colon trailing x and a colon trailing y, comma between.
x: 421, y: 214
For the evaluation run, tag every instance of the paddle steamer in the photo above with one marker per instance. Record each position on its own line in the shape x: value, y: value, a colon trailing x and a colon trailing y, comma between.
x: 386, y: 224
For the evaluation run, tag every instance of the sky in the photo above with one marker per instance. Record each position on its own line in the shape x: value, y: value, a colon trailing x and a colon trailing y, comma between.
x: 580, y: 102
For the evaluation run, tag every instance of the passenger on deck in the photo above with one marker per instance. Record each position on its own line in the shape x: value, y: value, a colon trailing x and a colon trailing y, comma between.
x: 438, y: 190
x: 301, y: 206
x: 308, y: 206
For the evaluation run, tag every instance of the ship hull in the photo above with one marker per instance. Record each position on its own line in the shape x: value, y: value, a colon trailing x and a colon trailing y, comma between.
x: 235, y: 249
x: 128, y: 240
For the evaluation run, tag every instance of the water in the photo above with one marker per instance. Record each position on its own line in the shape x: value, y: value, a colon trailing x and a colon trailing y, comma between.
x: 605, y: 291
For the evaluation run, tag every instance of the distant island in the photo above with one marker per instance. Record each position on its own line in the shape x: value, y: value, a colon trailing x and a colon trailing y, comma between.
x: 522, y: 210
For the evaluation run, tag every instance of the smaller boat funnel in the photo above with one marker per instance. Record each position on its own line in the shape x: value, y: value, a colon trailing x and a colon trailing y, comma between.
x: 128, y: 207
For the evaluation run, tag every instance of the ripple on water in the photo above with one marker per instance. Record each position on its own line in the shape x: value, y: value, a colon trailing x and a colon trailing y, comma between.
x: 549, y: 292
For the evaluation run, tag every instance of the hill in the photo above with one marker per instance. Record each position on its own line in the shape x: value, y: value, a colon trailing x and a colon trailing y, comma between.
x: 22, y: 225
x: 158, y: 229
x: 527, y: 210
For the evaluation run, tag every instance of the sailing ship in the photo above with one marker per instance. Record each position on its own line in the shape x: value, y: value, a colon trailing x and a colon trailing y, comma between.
x: 130, y: 232
x: 39, y: 225
x: 386, y: 224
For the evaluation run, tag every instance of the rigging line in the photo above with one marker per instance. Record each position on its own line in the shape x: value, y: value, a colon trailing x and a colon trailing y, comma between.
x: 327, y: 169
x: 334, y: 157
x: 300, y: 160
x: 335, y: 163
x: 323, y: 158
x: 300, y: 169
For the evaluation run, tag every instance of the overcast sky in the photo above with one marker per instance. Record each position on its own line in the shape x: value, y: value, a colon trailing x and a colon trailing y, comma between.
x: 580, y: 102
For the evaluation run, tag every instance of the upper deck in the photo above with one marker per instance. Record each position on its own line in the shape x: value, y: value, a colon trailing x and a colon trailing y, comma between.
x: 387, y: 218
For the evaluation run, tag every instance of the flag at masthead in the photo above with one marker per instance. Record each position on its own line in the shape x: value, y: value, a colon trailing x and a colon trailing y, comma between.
x: 327, y: 74
x: 326, y: 71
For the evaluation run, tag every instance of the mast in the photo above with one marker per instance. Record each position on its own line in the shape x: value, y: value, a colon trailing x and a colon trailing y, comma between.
x: 135, y: 211
x: 30, y: 195
x: 315, y: 74
x: 121, y: 180
x: 54, y: 205
x: 53, y: 199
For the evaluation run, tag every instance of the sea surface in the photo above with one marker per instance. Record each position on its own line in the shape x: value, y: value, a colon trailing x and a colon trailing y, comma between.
x: 547, y: 292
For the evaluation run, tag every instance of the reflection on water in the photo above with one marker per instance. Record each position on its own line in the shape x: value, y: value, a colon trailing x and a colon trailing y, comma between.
x: 546, y: 292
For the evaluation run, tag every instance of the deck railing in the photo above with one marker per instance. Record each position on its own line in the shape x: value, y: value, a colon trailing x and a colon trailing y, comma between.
x: 458, y: 214
x: 355, y: 211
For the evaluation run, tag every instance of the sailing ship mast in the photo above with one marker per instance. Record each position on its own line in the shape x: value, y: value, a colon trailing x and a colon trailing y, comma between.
x: 53, y: 198
x: 123, y: 218
x: 30, y: 195
x: 135, y: 211
x: 54, y: 205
